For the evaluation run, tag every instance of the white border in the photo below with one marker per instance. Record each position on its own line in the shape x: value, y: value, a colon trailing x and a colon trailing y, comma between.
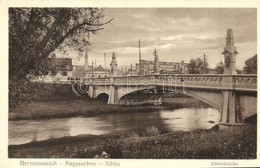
x: 5, y: 4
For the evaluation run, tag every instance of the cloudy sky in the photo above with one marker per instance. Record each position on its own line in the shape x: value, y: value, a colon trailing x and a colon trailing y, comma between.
x: 176, y: 33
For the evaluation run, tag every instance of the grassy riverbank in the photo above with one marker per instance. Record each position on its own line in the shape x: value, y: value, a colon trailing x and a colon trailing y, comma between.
x: 230, y: 143
x: 88, y: 107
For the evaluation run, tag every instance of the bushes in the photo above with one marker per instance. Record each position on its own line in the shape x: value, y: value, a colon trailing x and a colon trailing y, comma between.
x: 237, y: 143
x: 232, y: 143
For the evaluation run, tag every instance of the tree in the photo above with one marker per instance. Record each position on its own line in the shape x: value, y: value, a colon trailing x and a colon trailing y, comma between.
x: 220, y: 67
x: 197, y: 66
x: 34, y: 33
x: 251, y: 65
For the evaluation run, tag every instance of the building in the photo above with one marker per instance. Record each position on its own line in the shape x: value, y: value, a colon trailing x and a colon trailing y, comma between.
x: 86, y: 71
x: 61, y: 66
x: 99, y: 72
x: 160, y: 67
x: 96, y: 72
x: 55, y: 69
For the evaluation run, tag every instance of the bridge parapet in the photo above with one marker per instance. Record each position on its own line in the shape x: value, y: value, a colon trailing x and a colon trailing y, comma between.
x: 188, y: 80
x: 215, y: 81
x: 245, y: 81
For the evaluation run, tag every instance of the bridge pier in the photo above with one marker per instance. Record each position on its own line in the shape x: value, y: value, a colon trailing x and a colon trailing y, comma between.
x: 230, y: 106
x: 113, y: 95
x: 231, y: 109
x: 90, y: 91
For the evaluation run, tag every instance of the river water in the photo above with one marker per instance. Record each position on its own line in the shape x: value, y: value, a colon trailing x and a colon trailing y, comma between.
x: 185, y: 119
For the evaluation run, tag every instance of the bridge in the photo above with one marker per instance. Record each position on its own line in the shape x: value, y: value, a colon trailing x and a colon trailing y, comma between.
x: 232, y: 94
x: 235, y: 96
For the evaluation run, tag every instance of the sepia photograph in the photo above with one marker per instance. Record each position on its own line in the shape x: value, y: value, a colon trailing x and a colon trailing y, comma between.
x: 131, y: 83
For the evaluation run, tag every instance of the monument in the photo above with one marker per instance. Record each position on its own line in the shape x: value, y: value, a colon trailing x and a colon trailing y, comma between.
x: 230, y: 53
x: 230, y: 112
x: 113, y: 65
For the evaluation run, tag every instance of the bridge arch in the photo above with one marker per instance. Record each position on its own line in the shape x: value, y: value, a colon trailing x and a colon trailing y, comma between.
x: 124, y: 91
x: 141, y: 97
x: 103, y: 97
x: 212, y: 98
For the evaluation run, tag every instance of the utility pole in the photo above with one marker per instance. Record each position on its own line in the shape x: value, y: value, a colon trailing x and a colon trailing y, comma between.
x: 140, y: 73
x: 131, y: 69
x: 105, y: 60
x: 92, y: 68
x: 204, y: 63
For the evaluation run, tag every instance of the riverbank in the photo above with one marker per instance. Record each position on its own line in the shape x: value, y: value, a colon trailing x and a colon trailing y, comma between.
x: 87, y: 107
x: 231, y: 143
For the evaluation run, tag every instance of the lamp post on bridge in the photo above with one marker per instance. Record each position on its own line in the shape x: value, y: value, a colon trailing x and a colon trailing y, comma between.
x: 204, y: 64
x: 131, y: 69
x: 92, y: 69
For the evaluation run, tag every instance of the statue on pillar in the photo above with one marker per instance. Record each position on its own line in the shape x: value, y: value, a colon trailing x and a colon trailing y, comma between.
x: 156, y: 62
x: 230, y: 53
x: 229, y: 114
x: 113, y: 65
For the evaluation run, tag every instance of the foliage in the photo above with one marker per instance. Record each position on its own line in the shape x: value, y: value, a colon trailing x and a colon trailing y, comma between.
x: 251, y: 65
x: 220, y: 67
x: 235, y: 143
x: 34, y: 33
x: 232, y: 142
x: 197, y: 66
x: 152, y: 131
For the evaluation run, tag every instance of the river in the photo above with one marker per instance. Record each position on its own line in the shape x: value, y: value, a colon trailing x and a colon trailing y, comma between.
x: 185, y: 119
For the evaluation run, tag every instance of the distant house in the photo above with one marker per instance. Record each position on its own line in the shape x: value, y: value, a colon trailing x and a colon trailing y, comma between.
x: 79, y: 71
x: 147, y: 67
x: 99, y: 72
x: 55, y: 69
x: 61, y: 66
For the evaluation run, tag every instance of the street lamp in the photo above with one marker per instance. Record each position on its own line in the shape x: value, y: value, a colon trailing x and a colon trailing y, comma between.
x: 204, y: 63
x: 92, y: 69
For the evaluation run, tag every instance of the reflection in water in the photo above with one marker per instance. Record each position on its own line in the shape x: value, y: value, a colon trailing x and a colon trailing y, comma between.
x: 92, y: 126
x: 25, y: 131
x: 190, y: 119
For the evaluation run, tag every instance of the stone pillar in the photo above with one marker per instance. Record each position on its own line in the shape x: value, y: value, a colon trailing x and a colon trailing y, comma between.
x: 156, y: 62
x: 230, y: 53
x: 230, y: 105
x: 111, y: 98
x: 113, y: 65
x: 94, y: 92
x: 90, y: 91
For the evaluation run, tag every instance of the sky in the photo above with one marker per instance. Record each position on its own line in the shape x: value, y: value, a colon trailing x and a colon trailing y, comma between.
x: 176, y: 33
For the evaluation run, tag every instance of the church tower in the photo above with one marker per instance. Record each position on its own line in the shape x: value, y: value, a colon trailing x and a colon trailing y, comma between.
x: 113, y: 65
x: 230, y: 53
x: 156, y: 62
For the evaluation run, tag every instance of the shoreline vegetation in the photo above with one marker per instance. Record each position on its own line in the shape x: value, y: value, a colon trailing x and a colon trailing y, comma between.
x: 230, y: 143
x: 236, y: 142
